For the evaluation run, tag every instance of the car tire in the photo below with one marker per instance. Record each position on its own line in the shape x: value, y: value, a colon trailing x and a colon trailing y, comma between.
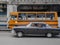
x: 49, y: 35
x: 19, y: 34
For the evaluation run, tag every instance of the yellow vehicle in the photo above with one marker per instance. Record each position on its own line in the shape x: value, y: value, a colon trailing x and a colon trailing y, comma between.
x: 24, y: 18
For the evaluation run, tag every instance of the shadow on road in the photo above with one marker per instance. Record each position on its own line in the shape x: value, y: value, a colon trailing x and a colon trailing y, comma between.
x: 37, y: 37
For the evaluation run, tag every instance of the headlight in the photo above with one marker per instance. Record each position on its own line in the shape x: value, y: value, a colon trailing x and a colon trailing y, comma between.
x: 12, y: 31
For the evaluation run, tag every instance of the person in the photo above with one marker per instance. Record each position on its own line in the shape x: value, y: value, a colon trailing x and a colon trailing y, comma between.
x: 51, y: 17
x: 43, y: 25
x: 23, y: 16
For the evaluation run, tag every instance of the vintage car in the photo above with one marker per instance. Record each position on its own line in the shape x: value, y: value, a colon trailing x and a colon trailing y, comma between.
x: 36, y: 29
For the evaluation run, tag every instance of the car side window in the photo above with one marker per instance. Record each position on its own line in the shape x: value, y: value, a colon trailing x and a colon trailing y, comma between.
x: 34, y: 24
x: 38, y: 25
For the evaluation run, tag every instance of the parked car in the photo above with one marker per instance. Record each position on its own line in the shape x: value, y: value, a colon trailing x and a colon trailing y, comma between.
x: 36, y: 29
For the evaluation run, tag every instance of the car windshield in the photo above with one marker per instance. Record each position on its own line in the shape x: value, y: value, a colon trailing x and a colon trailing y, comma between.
x: 38, y: 25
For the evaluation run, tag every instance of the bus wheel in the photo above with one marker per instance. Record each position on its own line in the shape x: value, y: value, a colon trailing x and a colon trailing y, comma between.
x: 49, y: 35
x: 19, y: 34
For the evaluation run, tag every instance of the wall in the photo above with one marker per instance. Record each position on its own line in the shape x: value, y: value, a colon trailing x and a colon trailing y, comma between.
x: 11, y: 8
x: 59, y: 21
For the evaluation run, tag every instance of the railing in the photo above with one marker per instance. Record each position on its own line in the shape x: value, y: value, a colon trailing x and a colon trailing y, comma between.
x: 35, y: 1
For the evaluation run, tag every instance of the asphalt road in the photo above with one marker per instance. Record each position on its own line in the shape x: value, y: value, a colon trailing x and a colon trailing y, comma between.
x: 6, y: 38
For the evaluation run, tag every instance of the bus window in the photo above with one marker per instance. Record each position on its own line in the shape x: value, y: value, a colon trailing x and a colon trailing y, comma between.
x: 31, y: 16
x: 41, y: 16
x: 50, y: 16
x: 22, y: 16
x: 13, y: 17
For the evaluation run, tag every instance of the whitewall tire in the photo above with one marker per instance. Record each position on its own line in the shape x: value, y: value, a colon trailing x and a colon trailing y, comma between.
x: 49, y: 34
x: 19, y: 34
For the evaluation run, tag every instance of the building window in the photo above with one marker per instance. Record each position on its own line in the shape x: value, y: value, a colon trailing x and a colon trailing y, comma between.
x: 55, y: 0
x: 3, y: 9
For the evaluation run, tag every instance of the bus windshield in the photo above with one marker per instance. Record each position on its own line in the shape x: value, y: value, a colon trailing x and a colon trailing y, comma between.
x: 22, y: 16
x: 13, y: 17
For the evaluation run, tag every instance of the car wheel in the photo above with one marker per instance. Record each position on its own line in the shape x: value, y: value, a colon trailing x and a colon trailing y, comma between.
x: 19, y: 34
x: 49, y: 35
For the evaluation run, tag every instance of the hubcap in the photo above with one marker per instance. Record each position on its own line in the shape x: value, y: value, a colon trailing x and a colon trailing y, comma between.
x: 20, y: 34
x: 49, y: 35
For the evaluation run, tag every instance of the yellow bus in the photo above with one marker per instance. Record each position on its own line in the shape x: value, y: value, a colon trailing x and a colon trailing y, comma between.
x: 24, y: 18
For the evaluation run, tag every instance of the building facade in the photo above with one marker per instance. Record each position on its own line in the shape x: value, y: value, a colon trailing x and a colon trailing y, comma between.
x: 13, y: 5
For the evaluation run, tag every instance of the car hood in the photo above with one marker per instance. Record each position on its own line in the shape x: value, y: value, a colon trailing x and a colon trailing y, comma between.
x: 19, y: 27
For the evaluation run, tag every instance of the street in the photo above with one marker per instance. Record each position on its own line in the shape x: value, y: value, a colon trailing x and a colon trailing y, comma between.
x: 6, y: 38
